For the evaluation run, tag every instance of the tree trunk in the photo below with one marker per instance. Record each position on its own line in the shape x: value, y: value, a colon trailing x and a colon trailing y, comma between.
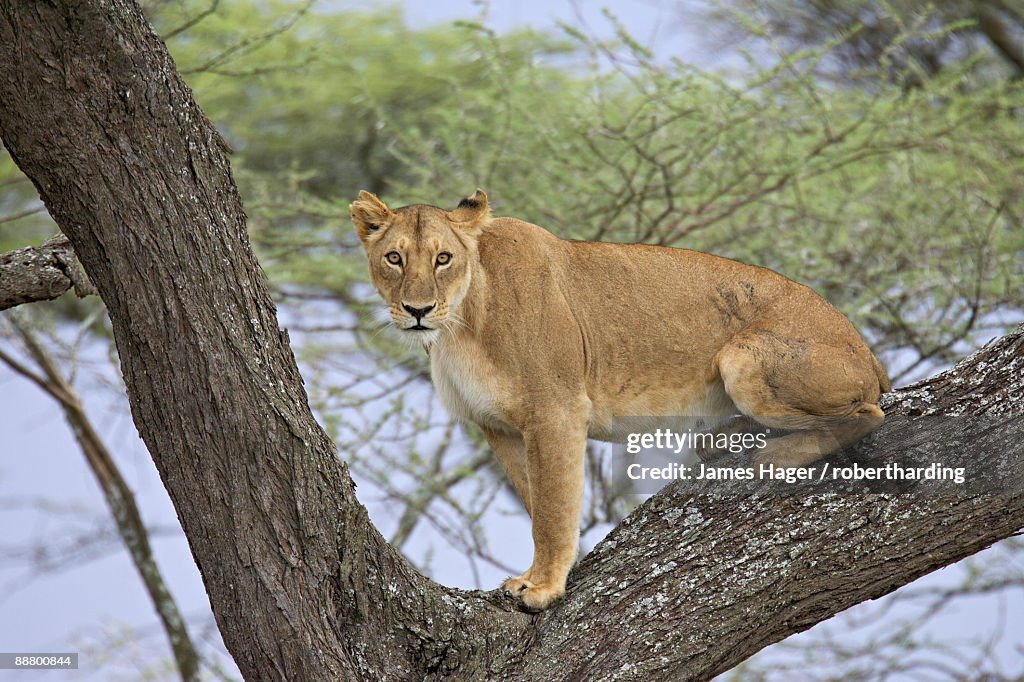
x: 302, y: 585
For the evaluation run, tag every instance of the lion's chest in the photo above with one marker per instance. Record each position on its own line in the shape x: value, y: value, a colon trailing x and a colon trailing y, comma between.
x: 466, y: 382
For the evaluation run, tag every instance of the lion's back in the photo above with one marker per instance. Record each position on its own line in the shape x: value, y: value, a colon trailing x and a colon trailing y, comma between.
x: 522, y: 254
x: 663, y: 291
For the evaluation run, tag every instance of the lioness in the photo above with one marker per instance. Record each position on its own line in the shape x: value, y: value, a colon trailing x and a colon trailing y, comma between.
x: 540, y: 341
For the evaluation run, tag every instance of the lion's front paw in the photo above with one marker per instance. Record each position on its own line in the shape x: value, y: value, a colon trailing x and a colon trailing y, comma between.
x: 534, y: 596
x: 513, y: 586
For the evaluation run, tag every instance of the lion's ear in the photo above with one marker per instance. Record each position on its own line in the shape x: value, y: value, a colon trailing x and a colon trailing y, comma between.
x: 369, y: 214
x: 472, y: 212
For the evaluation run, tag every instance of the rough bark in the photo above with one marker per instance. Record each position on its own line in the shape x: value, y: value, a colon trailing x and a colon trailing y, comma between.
x: 40, y: 274
x: 302, y: 585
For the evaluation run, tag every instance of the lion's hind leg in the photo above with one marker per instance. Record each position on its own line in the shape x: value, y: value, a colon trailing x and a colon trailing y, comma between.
x: 824, y: 394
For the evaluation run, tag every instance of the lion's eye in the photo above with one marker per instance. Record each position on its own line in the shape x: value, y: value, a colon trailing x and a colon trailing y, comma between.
x: 393, y: 257
x: 444, y: 258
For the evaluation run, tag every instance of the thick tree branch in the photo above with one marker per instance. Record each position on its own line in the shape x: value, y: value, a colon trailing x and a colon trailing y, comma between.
x: 40, y: 273
x: 303, y: 586
x: 690, y: 585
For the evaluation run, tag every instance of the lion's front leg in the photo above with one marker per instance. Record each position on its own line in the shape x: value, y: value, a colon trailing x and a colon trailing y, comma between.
x: 509, y: 449
x: 554, y: 461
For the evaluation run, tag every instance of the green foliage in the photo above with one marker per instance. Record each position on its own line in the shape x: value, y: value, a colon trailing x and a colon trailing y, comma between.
x: 901, y: 206
x: 23, y: 219
x: 906, y: 41
x: 322, y: 95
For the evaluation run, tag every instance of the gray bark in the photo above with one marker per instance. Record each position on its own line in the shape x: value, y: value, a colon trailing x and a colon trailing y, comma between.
x: 302, y: 585
x: 40, y: 274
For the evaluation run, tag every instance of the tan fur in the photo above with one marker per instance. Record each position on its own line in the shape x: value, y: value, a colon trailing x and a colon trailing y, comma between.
x: 542, y: 341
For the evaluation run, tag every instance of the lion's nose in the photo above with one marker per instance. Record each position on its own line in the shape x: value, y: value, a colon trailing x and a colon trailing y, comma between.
x: 418, y: 313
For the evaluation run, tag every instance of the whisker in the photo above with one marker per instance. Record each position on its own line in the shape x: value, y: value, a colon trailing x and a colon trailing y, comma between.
x: 458, y: 319
x: 383, y: 325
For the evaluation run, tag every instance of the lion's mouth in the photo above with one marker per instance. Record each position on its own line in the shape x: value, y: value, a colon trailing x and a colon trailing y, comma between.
x: 418, y: 328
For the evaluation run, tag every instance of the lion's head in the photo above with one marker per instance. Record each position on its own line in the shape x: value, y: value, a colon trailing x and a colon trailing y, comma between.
x: 420, y: 258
